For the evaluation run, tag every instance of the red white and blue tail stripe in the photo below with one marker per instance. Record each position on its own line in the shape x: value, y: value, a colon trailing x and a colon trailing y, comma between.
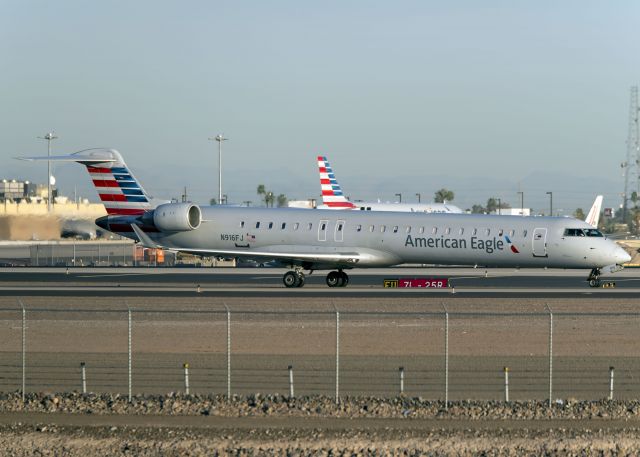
x: 332, y: 195
x: 118, y: 189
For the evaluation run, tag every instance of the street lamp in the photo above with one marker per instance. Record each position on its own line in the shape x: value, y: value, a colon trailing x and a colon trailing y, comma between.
x: 521, y: 203
x: 49, y: 137
x: 418, y: 195
x: 550, y: 194
x: 219, y: 138
x: 499, y: 206
x: 399, y: 197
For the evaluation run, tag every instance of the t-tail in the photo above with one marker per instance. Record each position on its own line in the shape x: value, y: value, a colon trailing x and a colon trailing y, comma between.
x: 117, y: 187
x: 594, y: 213
x: 332, y: 196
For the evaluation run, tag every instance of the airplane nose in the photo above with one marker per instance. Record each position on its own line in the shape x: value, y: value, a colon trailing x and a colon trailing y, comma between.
x: 621, y: 255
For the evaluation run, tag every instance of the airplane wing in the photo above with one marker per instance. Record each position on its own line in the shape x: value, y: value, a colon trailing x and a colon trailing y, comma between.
x: 347, y: 258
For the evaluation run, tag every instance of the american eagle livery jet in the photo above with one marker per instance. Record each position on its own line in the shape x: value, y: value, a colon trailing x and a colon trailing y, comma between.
x: 333, y: 197
x: 305, y: 239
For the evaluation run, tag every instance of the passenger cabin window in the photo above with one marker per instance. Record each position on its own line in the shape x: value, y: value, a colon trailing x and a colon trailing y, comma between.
x: 270, y: 225
x: 524, y: 233
x: 461, y: 231
x: 421, y: 230
x: 408, y: 229
x: 358, y: 228
x: 500, y: 232
x: 383, y: 228
x: 371, y: 227
x: 257, y: 224
x: 284, y: 224
x: 447, y: 230
x: 310, y: 226
x: 475, y: 231
x: 488, y: 232
x: 395, y: 229
x: 296, y: 226
x: 434, y: 230
x: 511, y: 233
x: 242, y: 224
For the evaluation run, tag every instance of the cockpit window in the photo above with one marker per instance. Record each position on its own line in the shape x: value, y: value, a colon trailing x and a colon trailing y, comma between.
x: 582, y: 232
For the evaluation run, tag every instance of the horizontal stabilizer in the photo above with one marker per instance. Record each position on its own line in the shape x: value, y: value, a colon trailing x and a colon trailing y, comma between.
x: 144, y: 238
x: 87, y: 156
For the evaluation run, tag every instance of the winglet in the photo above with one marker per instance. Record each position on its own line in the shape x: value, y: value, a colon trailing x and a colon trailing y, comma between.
x: 144, y: 238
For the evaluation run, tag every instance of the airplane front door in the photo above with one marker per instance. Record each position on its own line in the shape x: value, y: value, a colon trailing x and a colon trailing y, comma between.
x: 540, y: 242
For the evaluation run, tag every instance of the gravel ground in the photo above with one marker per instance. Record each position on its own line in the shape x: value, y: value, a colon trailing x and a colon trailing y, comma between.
x: 480, y: 428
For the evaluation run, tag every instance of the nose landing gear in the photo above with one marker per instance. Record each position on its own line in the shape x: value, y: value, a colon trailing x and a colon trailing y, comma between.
x: 337, y: 279
x: 594, y: 278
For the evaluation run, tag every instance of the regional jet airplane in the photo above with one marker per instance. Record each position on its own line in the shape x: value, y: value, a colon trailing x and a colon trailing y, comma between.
x: 333, y: 197
x: 341, y: 240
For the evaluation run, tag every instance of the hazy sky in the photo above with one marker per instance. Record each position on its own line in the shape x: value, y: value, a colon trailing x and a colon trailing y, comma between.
x: 479, y: 97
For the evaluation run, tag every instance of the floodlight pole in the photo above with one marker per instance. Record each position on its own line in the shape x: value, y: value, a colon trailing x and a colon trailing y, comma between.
x: 49, y: 137
x: 219, y: 138
x: 550, y: 194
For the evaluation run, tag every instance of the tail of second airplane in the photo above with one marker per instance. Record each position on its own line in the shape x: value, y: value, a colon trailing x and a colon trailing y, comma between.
x: 118, y: 189
x: 332, y: 196
x: 594, y: 213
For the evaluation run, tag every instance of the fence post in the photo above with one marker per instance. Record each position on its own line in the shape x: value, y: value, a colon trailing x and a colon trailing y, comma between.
x: 446, y: 357
x: 401, y: 370
x: 506, y: 383
x: 24, y: 349
x: 291, y: 395
x: 84, y: 377
x: 550, y: 355
x: 228, y: 352
x: 129, y: 355
x: 610, y: 383
x: 186, y: 378
x: 337, y: 356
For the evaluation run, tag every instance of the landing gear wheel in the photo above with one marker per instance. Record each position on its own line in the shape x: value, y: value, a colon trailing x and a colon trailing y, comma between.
x: 300, y: 282
x: 594, y: 283
x: 333, y: 279
x: 290, y: 279
x: 344, y: 279
x: 594, y: 278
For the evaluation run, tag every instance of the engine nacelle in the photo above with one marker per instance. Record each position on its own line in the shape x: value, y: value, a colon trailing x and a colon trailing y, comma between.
x: 177, y: 217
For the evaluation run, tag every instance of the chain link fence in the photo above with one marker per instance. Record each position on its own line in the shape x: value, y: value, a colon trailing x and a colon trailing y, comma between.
x: 434, y: 355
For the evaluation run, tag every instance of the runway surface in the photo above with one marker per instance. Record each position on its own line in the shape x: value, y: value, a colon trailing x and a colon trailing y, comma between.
x: 257, y: 282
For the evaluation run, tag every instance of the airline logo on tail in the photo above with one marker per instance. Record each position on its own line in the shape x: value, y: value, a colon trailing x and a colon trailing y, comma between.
x: 594, y: 214
x: 332, y: 195
x: 118, y: 190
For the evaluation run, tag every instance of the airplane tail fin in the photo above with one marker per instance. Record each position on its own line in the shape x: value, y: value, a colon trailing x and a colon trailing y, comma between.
x: 594, y: 213
x: 118, y: 189
x: 332, y: 195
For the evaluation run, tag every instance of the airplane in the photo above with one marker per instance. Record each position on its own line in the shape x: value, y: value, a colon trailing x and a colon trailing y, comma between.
x: 341, y: 240
x: 593, y: 218
x: 333, y: 197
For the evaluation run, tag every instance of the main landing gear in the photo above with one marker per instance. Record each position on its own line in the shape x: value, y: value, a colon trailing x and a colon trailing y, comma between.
x: 337, y: 279
x: 594, y: 278
x: 294, y: 278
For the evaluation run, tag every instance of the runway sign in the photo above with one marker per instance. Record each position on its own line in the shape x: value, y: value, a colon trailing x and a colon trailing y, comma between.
x: 427, y: 283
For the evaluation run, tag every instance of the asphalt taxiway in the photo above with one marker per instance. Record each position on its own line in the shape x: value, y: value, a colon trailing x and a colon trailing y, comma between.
x: 258, y: 282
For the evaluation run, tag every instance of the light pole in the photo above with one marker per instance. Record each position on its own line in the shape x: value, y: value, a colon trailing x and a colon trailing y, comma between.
x: 399, y: 197
x: 521, y: 203
x: 550, y: 194
x: 418, y: 195
x: 499, y: 206
x: 49, y: 137
x: 219, y: 138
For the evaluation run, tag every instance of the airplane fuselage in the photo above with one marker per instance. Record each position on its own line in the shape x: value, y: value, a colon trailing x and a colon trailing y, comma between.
x: 391, y: 238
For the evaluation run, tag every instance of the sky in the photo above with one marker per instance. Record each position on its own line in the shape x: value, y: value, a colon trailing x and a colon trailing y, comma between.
x: 483, y: 98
